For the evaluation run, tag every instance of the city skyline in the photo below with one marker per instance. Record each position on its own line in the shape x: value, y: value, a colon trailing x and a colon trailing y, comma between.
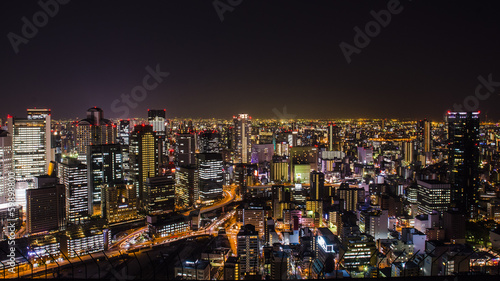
x: 289, y: 56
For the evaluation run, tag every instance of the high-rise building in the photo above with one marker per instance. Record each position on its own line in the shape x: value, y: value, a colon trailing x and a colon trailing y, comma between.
x: 73, y: 175
x: 119, y: 202
x: 433, y: 195
x: 160, y: 194
x: 463, y: 159
x: 31, y: 144
x: 241, y: 138
x: 124, y: 129
x: 408, y: 152
x: 187, y: 185
x: 93, y: 130
x: 209, y: 141
x: 317, y: 191
x: 254, y: 215
x: 350, y: 196
x: 211, y: 176
x: 156, y: 118
x: 333, y: 137
x: 248, y: 250
x: 6, y: 172
x: 185, y: 149
x: 45, y: 208
x: 280, y: 169
x: 105, y: 166
x: 424, y: 137
x: 143, y: 158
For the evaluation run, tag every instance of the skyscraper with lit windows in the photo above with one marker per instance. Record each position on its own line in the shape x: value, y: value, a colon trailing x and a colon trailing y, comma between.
x: 5, y: 164
x: 73, y: 175
x: 31, y: 144
x: 241, y: 138
x: 463, y: 159
x: 143, y: 158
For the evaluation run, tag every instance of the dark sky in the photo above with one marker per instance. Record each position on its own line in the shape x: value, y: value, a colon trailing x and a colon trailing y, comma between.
x: 264, y: 55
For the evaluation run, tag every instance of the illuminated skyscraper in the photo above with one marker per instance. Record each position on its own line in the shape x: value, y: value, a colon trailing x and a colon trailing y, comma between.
x: 160, y: 194
x: 143, y: 158
x: 424, y: 135
x: 241, y: 138
x: 6, y: 171
x: 94, y: 130
x: 211, y: 176
x: 119, y: 202
x: 104, y: 167
x: 248, y: 250
x: 317, y: 186
x: 156, y: 118
x: 31, y: 144
x: 73, y: 175
x: 463, y: 159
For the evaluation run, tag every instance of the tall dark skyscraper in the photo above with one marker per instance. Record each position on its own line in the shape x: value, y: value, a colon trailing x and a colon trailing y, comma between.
x: 209, y: 142
x: 104, y: 167
x: 463, y: 159
x: 317, y: 185
x: 424, y: 135
x: 185, y: 149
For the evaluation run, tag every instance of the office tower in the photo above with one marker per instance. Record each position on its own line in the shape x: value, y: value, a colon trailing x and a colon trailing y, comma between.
x: 279, y: 169
x: 317, y: 191
x: 241, y: 138
x: 105, y: 165
x: 408, y: 152
x: 375, y: 223
x: 119, y: 202
x: 45, y: 208
x: 73, y: 175
x: 254, y: 215
x: 7, y: 178
x: 187, y: 185
x: 350, y: 197
x: 209, y: 141
x: 365, y: 155
x: 359, y: 252
x: 433, y: 195
x: 124, y: 129
x: 424, y: 137
x: 143, y: 158
x: 160, y: 194
x: 31, y: 144
x: 463, y: 159
x: 248, y: 250
x: 156, y: 118
x: 333, y: 137
x: 93, y: 130
x: 211, y: 176
x: 185, y: 149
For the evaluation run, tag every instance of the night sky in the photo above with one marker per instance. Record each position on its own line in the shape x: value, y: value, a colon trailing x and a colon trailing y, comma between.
x: 263, y: 55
